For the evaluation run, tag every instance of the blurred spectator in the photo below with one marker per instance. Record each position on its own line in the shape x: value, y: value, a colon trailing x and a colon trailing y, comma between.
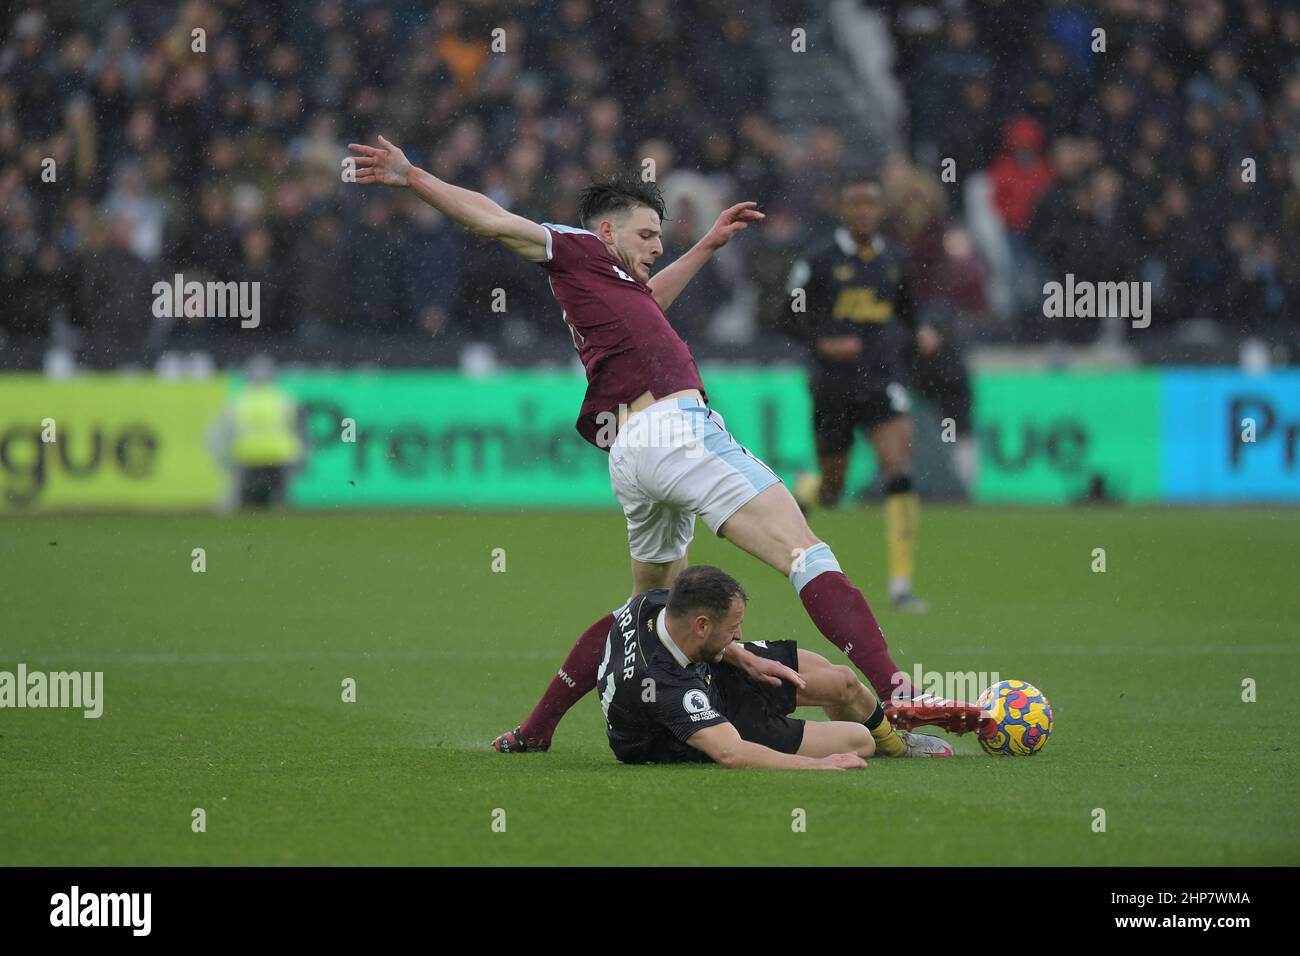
x: 373, y: 272
x: 321, y: 293
x: 940, y: 79
x: 1136, y: 168
x: 116, y: 297
x: 772, y: 250
x: 972, y: 143
x: 692, y: 312
x: 1020, y: 175
x: 429, y: 271
x: 948, y: 278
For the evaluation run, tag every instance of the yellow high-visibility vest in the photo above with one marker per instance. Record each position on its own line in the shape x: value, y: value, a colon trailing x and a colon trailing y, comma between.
x: 266, y: 433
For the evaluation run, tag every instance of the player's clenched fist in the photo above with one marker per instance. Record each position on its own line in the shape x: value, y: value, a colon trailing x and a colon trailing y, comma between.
x: 386, y: 165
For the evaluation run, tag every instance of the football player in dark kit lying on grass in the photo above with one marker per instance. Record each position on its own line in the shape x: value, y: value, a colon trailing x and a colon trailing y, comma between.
x: 670, y: 696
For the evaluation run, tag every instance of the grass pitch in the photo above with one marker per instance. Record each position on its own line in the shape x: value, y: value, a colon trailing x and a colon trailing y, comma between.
x: 223, y: 692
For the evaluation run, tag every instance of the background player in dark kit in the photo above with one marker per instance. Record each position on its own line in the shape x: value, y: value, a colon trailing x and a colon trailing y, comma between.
x: 857, y: 292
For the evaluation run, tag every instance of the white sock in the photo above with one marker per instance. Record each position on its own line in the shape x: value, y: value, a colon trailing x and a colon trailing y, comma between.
x: 899, y: 586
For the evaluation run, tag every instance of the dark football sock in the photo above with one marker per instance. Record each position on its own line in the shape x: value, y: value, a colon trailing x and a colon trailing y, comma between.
x: 876, y: 717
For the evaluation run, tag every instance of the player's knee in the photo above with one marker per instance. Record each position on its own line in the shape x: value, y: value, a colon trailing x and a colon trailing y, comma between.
x: 866, y: 743
x: 799, y: 548
x: 846, y: 685
x: 647, y: 575
x: 898, y: 484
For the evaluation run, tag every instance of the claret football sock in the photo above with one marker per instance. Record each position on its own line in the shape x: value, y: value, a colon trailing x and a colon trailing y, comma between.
x: 841, y: 613
x: 575, y: 679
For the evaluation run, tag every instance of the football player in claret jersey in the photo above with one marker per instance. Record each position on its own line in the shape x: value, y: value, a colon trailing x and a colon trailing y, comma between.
x: 669, y: 697
x: 671, y: 457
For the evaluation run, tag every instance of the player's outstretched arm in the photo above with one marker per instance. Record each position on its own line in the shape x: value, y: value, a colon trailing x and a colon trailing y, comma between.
x: 762, y: 669
x: 668, y: 284
x: 387, y: 165
x: 725, y: 746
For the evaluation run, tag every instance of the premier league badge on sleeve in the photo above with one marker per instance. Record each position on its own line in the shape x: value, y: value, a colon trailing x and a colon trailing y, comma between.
x: 695, y: 701
x: 697, y: 705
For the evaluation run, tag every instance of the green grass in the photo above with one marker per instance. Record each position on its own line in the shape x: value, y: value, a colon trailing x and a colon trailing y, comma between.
x: 223, y: 692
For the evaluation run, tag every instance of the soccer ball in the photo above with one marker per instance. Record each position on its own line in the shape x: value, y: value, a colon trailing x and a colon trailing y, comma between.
x: 1022, y: 719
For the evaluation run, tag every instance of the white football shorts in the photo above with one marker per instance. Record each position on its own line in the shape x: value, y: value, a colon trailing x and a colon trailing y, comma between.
x: 673, y: 461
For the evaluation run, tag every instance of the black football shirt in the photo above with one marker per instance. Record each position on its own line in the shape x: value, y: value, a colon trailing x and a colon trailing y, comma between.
x: 652, y: 703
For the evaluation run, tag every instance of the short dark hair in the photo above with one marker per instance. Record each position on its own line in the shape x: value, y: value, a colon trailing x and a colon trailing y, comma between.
x: 704, y: 588
x: 605, y: 197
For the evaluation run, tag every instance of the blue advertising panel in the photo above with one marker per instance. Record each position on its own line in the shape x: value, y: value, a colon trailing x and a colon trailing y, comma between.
x: 1229, y: 436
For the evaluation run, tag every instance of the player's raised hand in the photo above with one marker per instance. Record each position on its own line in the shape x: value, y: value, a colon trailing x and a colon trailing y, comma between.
x: 385, y: 164
x: 843, y: 762
x: 732, y: 221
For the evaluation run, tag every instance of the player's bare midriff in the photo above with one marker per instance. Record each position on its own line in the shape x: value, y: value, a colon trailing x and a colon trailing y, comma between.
x: 646, y: 399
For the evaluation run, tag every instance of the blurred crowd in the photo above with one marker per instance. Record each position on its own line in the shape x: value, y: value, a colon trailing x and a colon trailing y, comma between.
x: 224, y: 163
x: 1164, y: 148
